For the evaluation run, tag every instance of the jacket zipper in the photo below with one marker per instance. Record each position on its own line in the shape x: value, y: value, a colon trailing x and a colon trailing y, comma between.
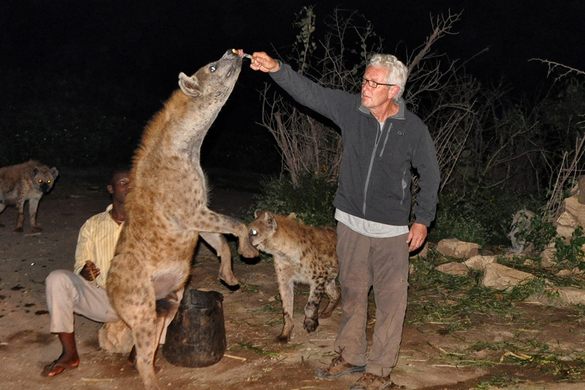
x: 372, y: 157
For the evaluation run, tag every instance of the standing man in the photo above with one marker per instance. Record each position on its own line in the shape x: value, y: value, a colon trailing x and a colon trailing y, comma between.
x: 382, y: 143
x: 82, y: 290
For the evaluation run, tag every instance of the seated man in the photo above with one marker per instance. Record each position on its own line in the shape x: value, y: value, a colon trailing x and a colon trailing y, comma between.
x: 83, y: 290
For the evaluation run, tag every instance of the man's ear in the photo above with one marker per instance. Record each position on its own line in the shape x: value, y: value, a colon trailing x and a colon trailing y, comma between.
x: 110, y: 189
x: 393, y: 91
x: 189, y: 85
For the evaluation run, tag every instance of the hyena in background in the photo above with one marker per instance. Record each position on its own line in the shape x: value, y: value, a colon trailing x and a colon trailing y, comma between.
x: 26, y: 182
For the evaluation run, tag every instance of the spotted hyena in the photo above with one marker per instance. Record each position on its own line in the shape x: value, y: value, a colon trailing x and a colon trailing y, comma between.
x: 26, y: 182
x: 303, y: 254
x: 167, y: 209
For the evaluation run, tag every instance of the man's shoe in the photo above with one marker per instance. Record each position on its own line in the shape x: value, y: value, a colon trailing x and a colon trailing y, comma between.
x: 337, y: 368
x: 369, y: 381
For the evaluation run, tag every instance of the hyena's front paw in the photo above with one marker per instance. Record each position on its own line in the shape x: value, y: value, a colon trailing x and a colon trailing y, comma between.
x: 310, y: 324
x: 283, y: 339
x: 247, y: 250
x: 19, y: 229
x: 36, y: 229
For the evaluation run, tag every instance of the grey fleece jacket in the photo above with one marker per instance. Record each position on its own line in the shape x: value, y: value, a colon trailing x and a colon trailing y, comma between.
x: 375, y: 172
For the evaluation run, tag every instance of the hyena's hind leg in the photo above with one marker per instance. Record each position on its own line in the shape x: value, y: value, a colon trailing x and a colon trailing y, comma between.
x: 334, y: 295
x: 146, y: 338
x: 316, y: 292
x: 219, y: 243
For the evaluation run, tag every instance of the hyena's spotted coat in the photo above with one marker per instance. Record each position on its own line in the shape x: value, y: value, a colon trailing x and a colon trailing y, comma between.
x: 167, y: 208
x: 303, y: 254
x: 26, y: 182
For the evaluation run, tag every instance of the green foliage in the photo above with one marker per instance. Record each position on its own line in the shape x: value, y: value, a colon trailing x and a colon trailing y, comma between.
x: 570, y: 253
x: 311, y: 201
x: 454, y: 300
x: 483, y: 217
x: 539, y: 232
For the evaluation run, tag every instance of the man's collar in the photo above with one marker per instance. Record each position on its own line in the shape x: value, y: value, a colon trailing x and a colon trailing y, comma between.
x: 399, y: 115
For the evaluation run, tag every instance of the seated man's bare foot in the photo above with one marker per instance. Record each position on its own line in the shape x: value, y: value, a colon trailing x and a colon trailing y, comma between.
x: 58, y: 366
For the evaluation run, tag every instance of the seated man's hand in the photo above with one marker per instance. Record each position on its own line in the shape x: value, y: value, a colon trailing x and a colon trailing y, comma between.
x: 89, y: 271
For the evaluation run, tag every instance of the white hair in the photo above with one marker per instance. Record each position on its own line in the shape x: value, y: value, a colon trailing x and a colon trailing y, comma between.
x: 398, y: 71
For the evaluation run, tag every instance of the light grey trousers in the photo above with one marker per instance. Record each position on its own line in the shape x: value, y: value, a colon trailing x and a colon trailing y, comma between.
x: 381, y: 263
x: 69, y: 293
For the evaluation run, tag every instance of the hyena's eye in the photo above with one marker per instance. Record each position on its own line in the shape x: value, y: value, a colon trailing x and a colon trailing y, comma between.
x: 48, y: 181
x: 212, y: 68
x: 253, y: 232
x: 40, y: 181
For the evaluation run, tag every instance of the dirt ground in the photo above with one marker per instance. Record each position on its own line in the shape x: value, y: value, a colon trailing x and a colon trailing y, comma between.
x: 253, y: 360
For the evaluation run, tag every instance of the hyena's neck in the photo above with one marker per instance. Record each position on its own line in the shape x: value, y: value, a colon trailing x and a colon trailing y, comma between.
x: 180, y: 126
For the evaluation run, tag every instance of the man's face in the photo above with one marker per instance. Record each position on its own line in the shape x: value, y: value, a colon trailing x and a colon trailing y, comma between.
x: 119, y: 186
x: 375, y: 97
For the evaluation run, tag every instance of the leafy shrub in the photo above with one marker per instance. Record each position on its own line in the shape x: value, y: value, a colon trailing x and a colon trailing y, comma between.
x: 311, y: 200
x: 570, y: 252
x: 482, y: 217
x: 538, y: 233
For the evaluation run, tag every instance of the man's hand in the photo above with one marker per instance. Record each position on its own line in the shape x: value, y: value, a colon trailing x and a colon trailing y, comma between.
x: 89, y: 271
x: 264, y: 63
x: 416, y: 236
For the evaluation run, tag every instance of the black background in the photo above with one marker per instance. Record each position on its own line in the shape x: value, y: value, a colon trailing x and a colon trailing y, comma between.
x: 139, y: 47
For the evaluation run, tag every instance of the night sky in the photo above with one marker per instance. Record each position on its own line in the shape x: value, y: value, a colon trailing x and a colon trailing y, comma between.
x: 140, y: 46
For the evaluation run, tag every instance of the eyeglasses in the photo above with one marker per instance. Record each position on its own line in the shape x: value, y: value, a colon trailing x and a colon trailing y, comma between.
x: 374, y: 84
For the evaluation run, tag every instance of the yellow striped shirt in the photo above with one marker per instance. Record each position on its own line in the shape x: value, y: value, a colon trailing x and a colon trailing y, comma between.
x: 97, y: 242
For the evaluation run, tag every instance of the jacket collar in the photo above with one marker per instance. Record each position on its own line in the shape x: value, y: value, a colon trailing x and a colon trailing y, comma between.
x: 398, y: 115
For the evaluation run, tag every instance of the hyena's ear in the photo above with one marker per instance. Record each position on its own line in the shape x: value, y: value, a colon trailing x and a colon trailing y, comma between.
x: 54, y: 172
x: 269, y: 219
x: 292, y: 216
x: 189, y: 85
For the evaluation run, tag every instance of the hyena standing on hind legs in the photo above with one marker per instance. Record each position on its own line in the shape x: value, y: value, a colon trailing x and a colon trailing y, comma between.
x: 167, y: 208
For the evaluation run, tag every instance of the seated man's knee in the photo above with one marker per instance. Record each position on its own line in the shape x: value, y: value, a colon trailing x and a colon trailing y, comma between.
x: 58, y: 277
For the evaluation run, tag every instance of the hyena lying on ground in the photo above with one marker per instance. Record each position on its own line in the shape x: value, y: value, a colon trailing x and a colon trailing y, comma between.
x: 167, y: 209
x: 22, y: 182
x: 303, y: 254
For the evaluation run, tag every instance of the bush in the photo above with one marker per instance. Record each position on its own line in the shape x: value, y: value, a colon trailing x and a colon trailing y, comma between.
x: 311, y: 200
x: 483, y: 217
x: 570, y: 253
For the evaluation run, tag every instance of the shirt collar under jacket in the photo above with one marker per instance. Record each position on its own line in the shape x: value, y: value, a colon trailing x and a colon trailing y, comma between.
x: 398, y: 115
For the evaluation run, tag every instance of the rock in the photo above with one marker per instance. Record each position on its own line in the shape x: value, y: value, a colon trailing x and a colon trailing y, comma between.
x: 547, y: 257
x: 576, y: 209
x: 521, y: 221
x: 500, y: 277
x: 567, y: 219
x: 571, y: 295
x: 459, y: 249
x: 453, y: 268
x: 479, y: 262
x: 565, y: 231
